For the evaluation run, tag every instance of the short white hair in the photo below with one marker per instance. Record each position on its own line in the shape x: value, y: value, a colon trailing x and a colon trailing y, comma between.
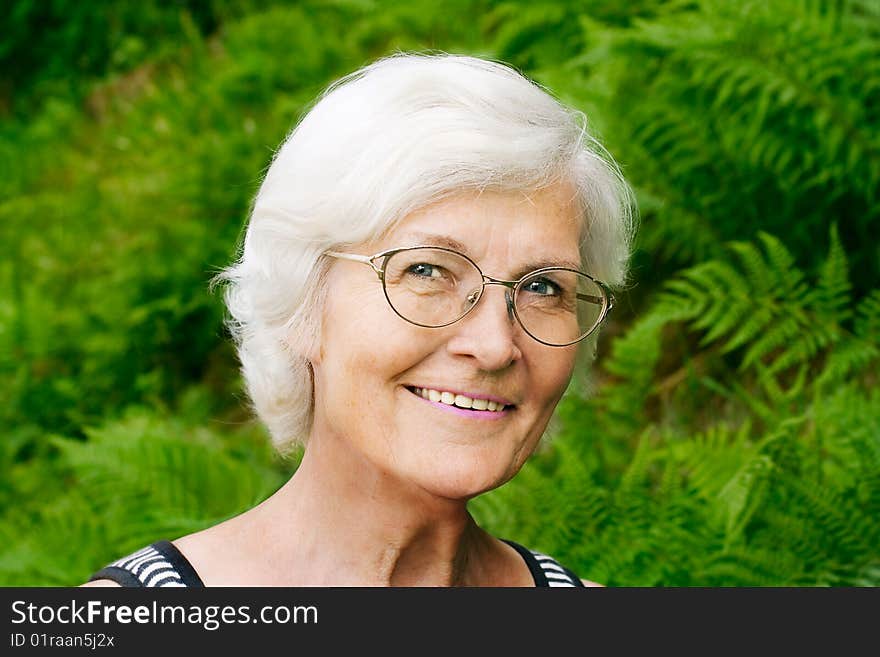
x: 393, y: 137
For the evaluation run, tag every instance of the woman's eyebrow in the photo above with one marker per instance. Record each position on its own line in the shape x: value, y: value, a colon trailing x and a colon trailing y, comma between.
x: 433, y: 239
x: 541, y: 264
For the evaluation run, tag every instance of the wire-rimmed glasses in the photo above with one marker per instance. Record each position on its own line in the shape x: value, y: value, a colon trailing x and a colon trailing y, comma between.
x: 434, y: 286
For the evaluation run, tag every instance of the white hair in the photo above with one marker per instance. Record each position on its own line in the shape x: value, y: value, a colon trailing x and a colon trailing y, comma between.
x: 380, y: 143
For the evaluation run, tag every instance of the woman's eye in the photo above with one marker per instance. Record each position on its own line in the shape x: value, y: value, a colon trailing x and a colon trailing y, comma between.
x: 543, y: 287
x: 426, y: 270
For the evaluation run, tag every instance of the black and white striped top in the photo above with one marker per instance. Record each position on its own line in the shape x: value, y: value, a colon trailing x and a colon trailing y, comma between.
x: 158, y: 565
x: 162, y: 565
x: 546, y: 571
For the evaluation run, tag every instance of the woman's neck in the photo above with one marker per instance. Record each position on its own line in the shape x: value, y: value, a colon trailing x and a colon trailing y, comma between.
x: 341, y: 521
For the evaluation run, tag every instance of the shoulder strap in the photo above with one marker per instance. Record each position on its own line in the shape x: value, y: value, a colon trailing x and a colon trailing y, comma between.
x: 545, y: 570
x: 158, y: 565
x: 555, y: 573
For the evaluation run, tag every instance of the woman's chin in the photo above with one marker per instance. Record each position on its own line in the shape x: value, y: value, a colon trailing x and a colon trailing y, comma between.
x: 462, y: 480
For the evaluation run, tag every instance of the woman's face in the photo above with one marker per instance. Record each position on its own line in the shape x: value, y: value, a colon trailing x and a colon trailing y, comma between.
x: 370, y: 361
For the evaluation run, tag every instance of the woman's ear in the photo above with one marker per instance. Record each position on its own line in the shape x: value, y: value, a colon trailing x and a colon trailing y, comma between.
x: 304, y: 336
x: 300, y: 345
x: 301, y: 334
x: 313, y: 350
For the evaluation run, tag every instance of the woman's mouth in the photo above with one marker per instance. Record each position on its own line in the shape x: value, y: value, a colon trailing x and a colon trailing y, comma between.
x: 462, y: 404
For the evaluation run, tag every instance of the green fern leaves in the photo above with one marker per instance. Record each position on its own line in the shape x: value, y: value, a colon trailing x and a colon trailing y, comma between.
x: 736, y: 117
x: 132, y: 482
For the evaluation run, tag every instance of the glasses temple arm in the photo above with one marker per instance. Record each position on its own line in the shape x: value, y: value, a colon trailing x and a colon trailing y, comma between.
x: 589, y: 297
x: 367, y: 260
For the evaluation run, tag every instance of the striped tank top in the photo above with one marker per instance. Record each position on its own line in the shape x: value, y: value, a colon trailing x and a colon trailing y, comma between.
x: 163, y: 565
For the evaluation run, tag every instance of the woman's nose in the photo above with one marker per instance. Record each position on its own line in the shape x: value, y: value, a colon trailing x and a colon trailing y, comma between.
x: 488, y: 332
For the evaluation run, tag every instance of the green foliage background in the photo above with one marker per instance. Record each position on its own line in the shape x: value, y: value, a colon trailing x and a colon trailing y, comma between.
x: 732, y: 436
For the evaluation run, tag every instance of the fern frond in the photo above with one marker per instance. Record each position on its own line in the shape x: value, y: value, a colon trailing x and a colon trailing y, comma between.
x: 856, y: 353
x: 762, y: 304
x: 782, y: 272
x: 727, y: 298
x: 833, y: 290
x: 850, y: 358
x: 867, y: 324
x: 749, y: 566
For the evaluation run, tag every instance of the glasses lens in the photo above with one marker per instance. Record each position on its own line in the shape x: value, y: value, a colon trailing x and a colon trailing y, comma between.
x: 431, y: 287
x: 560, y: 306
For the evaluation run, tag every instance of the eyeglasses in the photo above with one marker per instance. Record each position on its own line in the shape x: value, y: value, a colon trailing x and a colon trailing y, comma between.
x: 434, y: 287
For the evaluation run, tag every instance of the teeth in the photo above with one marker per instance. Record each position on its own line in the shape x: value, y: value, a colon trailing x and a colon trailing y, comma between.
x: 462, y: 401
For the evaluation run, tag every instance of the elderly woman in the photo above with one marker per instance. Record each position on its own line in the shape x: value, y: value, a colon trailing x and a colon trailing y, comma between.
x: 430, y: 252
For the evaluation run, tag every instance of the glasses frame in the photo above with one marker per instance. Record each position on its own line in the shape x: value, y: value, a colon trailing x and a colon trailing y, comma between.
x: 606, y: 301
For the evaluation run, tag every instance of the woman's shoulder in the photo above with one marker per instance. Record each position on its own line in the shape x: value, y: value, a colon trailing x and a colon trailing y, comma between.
x: 102, y: 582
x: 162, y: 564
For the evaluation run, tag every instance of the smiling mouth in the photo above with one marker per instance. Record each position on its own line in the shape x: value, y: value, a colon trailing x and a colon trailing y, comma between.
x: 463, y: 402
